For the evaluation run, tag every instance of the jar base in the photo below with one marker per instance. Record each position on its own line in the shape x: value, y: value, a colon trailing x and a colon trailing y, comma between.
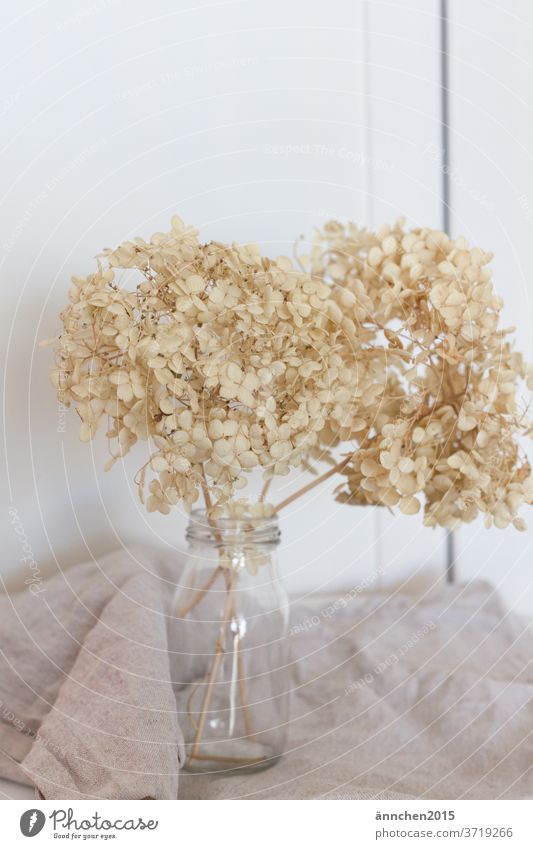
x: 235, y: 756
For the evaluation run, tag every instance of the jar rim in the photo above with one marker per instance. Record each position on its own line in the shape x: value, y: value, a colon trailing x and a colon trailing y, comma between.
x: 264, y: 531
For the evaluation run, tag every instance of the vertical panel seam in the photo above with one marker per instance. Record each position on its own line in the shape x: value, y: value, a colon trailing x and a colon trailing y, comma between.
x: 446, y: 195
x: 377, y: 524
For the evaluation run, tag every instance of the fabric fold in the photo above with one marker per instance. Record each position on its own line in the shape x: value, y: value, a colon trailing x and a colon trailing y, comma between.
x: 89, y: 707
x: 393, y: 696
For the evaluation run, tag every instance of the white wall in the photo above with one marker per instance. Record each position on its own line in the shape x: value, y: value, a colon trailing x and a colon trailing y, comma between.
x: 253, y: 121
x: 491, y: 50
x: 404, y: 121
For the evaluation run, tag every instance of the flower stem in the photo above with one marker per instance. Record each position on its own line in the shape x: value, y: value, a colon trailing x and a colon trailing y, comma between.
x: 183, y: 611
x: 308, y: 487
x: 220, y: 648
x: 264, y: 491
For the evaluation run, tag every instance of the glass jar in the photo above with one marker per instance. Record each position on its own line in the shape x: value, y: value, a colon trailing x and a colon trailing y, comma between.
x: 229, y: 646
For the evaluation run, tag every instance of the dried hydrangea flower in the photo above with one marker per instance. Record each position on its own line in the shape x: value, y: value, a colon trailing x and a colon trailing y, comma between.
x: 388, y: 344
x: 215, y: 354
x: 437, y: 418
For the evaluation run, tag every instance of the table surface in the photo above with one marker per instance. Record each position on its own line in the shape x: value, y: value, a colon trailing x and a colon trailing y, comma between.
x: 398, y: 698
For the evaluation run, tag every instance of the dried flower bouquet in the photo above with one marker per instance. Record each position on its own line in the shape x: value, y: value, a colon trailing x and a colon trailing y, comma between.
x: 380, y: 354
x: 385, y: 347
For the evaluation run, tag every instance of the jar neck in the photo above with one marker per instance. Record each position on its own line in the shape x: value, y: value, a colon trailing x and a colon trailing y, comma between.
x: 229, y: 531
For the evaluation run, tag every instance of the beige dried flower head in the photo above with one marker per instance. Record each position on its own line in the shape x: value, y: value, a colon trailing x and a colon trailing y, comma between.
x: 216, y: 355
x: 437, y: 417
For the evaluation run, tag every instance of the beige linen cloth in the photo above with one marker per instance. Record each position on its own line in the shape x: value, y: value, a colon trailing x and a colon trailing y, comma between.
x: 86, y: 707
x: 392, y: 697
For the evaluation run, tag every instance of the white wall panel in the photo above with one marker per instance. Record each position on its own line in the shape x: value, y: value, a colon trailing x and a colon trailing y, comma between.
x: 404, y: 116
x: 492, y: 204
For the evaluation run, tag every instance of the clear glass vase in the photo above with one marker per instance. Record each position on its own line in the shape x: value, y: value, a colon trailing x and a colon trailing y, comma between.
x: 229, y: 646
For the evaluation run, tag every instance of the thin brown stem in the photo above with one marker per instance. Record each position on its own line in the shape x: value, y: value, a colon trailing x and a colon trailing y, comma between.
x: 207, y: 496
x: 248, y: 728
x: 212, y: 578
x: 242, y: 682
x: 264, y: 491
x: 198, y: 596
x: 209, y: 507
x: 229, y: 611
x: 191, y: 696
x: 219, y: 654
x: 308, y: 487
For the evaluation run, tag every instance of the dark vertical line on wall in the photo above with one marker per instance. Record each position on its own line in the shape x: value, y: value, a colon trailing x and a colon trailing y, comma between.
x: 446, y: 199
x: 445, y: 115
x: 366, y: 66
x: 367, y: 113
